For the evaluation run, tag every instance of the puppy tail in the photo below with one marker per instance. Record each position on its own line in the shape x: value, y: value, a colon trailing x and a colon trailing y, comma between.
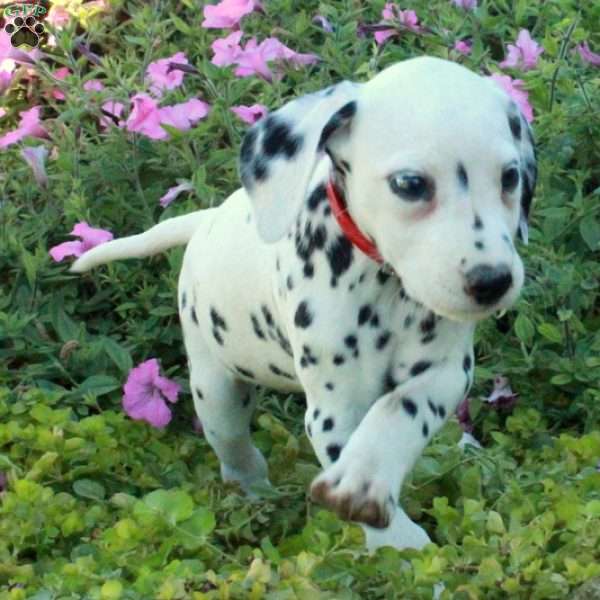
x: 172, y: 232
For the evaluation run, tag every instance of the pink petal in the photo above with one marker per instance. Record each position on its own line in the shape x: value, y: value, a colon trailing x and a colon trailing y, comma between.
x: 113, y: 108
x: 382, y: 36
x: 35, y: 157
x: 466, y: 4
x: 60, y: 252
x: 250, y: 114
x: 512, y: 59
x: 58, y: 17
x: 29, y: 125
x: 513, y: 88
x: 145, y: 118
x: 226, y: 49
x: 227, y: 13
x: 93, y: 85
x: 182, y: 116
x: 173, y: 192
x: 7, y: 50
x: 161, y: 78
x: 169, y: 389
x: 464, y: 47
x: 91, y: 236
x: 587, y: 55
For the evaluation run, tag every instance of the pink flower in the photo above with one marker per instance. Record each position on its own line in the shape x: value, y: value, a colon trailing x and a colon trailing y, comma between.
x: 90, y: 237
x: 146, y: 117
x: 254, y: 58
x: 58, y: 17
x: 173, y: 192
x: 182, y: 116
x: 59, y: 74
x: 250, y: 114
x: 112, y: 108
x: 146, y: 393
x: 406, y: 19
x: 513, y: 87
x: 35, y: 157
x: 5, y: 80
x: 466, y: 4
x: 160, y: 77
x: 502, y: 395
x: 8, y: 51
x: 226, y: 49
x: 587, y: 55
x: 524, y: 54
x: 29, y: 125
x: 93, y: 85
x: 228, y: 13
x: 463, y: 47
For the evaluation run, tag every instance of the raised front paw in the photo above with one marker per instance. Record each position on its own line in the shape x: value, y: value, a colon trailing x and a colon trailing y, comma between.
x: 355, y: 495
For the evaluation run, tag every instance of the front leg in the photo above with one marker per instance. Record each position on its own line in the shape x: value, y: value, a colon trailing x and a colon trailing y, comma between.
x: 364, y: 484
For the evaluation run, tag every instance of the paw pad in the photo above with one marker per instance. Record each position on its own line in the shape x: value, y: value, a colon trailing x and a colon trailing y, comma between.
x: 25, y: 32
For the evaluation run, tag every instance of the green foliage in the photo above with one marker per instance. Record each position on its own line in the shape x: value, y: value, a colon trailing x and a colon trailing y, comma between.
x: 98, y: 506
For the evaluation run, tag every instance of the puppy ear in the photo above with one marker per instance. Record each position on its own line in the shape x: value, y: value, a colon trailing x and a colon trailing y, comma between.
x: 524, y: 137
x: 279, y: 154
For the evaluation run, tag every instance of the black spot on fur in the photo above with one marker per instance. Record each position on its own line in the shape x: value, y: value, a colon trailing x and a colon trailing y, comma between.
x: 427, y: 325
x: 244, y: 372
x: 259, y: 170
x: 346, y: 166
x: 316, y: 413
x: 257, y: 328
x: 408, y: 321
x: 278, y: 139
x: 467, y: 363
x: 246, y: 401
x: 328, y: 424
x: 199, y: 394
x: 267, y: 315
x: 307, y: 358
x: 364, y: 314
x: 389, y: 383
x: 309, y: 430
x: 277, y: 371
x: 217, y: 320
x: 317, y: 196
x: 278, y: 264
x: 462, y: 176
x: 194, y: 315
x: 247, y: 149
x: 374, y: 321
x: 218, y: 337
x: 432, y: 407
x: 514, y: 122
x: 333, y: 451
x: 303, y: 317
x: 410, y: 407
x: 183, y: 300
x: 340, y: 255
x: 283, y: 342
x: 338, y: 360
x: 426, y: 339
x: 329, y: 386
x: 419, y: 367
x: 479, y: 245
x: 477, y: 223
x: 382, y: 276
x: 289, y: 283
x: 309, y: 270
x: 351, y: 341
x: 425, y: 430
x: 442, y: 411
x: 342, y: 116
x: 382, y: 340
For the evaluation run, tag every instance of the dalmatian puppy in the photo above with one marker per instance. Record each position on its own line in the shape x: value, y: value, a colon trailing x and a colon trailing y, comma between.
x: 375, y: 227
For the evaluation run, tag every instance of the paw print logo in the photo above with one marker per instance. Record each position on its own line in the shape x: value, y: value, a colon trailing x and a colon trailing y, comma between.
x: 25, y: 32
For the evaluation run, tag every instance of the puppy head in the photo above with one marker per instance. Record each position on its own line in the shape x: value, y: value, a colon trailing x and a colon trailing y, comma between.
x: 438, y: 170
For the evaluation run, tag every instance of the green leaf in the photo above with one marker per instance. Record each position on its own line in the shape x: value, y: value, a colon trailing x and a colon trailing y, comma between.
x: 174, y: 505
x: 98, y: 385
x: 119, y: 355
x: 550, y: 332
x: 194, y: 530
x: 524, y: 328
x: 589, y: 227
x: 88, y: 488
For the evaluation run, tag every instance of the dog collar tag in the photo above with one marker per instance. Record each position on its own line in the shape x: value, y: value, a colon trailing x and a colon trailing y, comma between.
x: 348, y: 226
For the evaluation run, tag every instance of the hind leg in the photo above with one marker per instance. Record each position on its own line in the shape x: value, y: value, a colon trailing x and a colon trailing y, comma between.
x: 224, y: 406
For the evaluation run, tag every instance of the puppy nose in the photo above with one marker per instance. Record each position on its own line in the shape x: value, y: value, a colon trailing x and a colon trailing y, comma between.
x: 487, y: 284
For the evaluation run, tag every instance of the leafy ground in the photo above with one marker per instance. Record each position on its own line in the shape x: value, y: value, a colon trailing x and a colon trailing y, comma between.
x: 96, y: 505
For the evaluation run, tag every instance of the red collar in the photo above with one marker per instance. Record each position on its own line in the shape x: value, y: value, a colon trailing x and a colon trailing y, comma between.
x: 349, y: 227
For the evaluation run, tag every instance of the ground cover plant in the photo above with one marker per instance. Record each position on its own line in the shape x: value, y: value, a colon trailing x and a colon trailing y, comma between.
x: 124, y: 117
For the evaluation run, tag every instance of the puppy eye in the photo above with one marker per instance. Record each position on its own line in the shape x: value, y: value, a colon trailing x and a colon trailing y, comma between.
x: 411, y: 186
x: 510, y: 179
